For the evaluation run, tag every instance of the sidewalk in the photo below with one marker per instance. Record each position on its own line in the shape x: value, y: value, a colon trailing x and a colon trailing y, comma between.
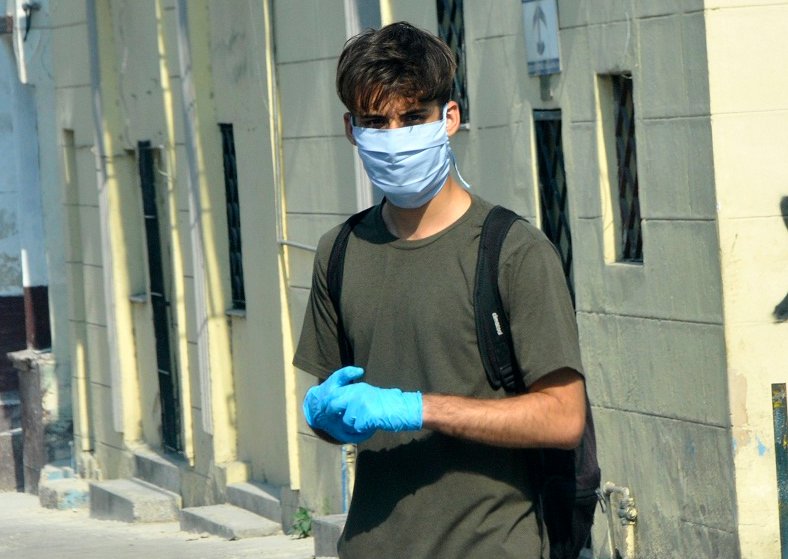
x: 29, y: 531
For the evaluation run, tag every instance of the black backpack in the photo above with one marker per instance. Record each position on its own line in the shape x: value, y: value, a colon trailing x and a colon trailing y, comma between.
x: 566, y: 481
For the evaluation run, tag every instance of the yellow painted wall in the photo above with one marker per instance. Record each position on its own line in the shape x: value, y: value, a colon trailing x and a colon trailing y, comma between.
x: 749, y: 125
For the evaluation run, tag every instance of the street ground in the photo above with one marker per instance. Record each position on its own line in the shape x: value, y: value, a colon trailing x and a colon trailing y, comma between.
x: 29, y: 531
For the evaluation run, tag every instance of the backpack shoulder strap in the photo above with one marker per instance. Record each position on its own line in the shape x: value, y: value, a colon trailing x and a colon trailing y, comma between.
x: 334, y: 273
x: 492, y: 325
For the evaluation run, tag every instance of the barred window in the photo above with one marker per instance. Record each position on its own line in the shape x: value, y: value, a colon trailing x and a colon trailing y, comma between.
x: 451, y: 28
x: 627, y: 178
x: 618, y: 126
x: 553, y: 199
x: 233, y: 217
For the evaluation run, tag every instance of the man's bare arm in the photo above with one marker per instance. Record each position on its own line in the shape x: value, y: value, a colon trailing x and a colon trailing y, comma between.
x: 551, y: 414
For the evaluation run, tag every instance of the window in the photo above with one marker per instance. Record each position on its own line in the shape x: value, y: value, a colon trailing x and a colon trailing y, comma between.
x: 451, y: 28
x: 233, y: 217
x: 553, y: 200
x: 618, y: 120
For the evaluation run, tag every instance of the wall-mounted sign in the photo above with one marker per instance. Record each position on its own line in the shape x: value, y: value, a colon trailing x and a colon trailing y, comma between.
x: 540, y: 18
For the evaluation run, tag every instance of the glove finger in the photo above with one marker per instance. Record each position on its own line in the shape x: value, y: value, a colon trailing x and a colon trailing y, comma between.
x: 344, y: 376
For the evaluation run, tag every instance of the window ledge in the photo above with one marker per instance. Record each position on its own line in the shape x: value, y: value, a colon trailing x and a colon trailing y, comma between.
x: 236, y: 313
x: 139, y: 298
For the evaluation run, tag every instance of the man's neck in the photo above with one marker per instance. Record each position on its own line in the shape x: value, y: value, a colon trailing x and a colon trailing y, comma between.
x: 412, y: 224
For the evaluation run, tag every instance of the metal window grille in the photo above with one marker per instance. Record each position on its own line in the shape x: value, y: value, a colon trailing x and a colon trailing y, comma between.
x: 233, y: 216
x: 165, y: 363
x: 626, y: 155
x: 451, y: 28
x: 553, y: 189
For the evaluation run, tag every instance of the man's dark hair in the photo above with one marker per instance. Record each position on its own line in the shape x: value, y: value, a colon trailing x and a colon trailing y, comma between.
x: 398, y: 60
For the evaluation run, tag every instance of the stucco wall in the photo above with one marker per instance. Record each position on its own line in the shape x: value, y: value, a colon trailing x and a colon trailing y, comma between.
x: 652, y: 333
x: 747, y: 49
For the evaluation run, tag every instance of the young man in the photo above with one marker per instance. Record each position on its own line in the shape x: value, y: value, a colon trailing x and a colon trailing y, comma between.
x: 440, y: 470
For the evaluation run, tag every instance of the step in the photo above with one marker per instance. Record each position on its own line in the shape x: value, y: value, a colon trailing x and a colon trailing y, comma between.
x: 271, y: 502
x: 326, y: 531
x: 158, y: 470
x: 10, y: 410
x: 133, y: 500
x: 54, y: 470
x: 258, y: 498
x: 227, y: 521
x: 64, y: 493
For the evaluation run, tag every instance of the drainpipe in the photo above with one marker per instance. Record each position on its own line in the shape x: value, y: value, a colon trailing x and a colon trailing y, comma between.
x: 621, y: 522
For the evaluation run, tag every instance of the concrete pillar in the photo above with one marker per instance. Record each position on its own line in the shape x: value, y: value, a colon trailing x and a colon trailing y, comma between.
x: 46, y: 437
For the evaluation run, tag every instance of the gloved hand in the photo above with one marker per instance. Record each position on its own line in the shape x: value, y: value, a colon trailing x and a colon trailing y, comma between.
x: 318, y: 417
x: 364, y: 407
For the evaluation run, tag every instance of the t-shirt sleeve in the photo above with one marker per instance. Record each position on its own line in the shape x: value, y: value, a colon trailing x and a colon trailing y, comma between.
x: 318, y: 349
x: 539, y: 306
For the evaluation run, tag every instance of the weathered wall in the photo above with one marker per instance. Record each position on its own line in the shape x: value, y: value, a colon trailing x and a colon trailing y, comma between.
x: 652, y: 333
x: 223, y: 359
x: 749, y: 125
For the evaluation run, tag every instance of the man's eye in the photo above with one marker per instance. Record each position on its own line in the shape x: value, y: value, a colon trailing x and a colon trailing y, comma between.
x: 414, y: 119
x: 372, y: 123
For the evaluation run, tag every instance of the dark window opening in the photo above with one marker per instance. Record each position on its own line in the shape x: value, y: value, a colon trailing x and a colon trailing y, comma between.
x: 627, y: 176
x: 451, y: 28
x: 233, y: 217
x: 553, y: 199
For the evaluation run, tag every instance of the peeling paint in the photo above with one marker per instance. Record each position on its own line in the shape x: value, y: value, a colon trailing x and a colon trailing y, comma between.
x: 8, y: 226
x: 10, y: 271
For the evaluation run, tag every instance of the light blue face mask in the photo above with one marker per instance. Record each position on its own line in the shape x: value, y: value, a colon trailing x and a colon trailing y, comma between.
x: 411, y: 164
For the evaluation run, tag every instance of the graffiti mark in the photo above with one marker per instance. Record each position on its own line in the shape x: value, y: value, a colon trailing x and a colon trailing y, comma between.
x: 762, y: 449
x: 781, y: 310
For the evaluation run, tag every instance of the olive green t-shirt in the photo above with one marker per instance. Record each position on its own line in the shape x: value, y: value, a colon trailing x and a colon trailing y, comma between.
x: 407, y: 308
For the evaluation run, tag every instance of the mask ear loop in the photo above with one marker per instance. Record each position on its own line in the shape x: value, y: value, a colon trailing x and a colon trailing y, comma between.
x: 457, y: 169
x: 453, y: 157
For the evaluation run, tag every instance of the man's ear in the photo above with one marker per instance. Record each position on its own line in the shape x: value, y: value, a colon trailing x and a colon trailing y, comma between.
x: 349, y: 128
x: 453, y: 119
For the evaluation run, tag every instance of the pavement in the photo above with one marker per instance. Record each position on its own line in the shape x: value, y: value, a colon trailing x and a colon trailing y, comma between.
x: 30, y: 531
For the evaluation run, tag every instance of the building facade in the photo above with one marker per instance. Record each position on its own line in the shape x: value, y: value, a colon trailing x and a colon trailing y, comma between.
x: 192, y: 152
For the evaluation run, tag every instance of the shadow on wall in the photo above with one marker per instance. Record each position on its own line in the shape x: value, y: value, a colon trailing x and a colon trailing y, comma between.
x: 781, y: 310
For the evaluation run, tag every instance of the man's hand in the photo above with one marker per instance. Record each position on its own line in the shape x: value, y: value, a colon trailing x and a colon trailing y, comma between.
x: 317, y: 415
x: 366, y: 408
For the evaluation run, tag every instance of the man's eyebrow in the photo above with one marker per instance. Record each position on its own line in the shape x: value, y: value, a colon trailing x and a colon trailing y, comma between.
x: 410, y: 112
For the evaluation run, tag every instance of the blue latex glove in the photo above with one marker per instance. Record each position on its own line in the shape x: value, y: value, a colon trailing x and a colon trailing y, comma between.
x: 318, y: 397
x: 364, y: 407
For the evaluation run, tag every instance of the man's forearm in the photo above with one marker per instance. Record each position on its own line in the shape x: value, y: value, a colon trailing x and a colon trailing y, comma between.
x: 551, y: 415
